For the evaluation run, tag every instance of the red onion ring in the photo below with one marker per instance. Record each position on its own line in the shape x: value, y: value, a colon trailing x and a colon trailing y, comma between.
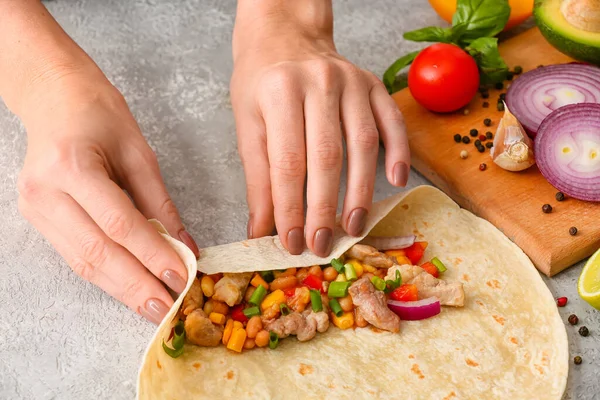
x: 416, y: 310
x: 537, y: 93
x: 389, y: 243
x: 567, y: 150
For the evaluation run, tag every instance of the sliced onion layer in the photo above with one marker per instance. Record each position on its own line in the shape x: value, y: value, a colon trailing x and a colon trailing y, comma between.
x: 389, y: 243
x: 567, y: 150
x: 416, y: 310
x: 535, y: 94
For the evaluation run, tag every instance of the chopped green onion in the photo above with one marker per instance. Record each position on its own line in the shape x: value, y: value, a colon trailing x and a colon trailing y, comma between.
x: 273, y: 340
x: 350, y: 272
x: 316, y: 301
x: 438, y: 264
x: 338, y: 289
x: 338, y: 265
x: 391, y: 285
x: 335, y: 307
x: 177, y: 342
x: 378, y: 283
x: 251, y: 311
x: 259, y: 294
x: 285, y: 310
x: 267, y: 276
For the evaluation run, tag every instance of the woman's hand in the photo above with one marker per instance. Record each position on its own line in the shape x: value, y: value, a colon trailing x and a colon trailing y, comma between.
x: 84, y: 148
x: 290, y: 90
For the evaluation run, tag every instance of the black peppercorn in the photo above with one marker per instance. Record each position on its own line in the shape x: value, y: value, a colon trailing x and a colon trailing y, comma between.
x: 573, y: 320
x: 482, y: 166
x: 474, y: 132
x: 485, y: 95
x: 465, y: 139
x: 509, y: 76
x: 480, y: 148
x: 487, y: 122
x: 477, y: 143
x: 489, y: 145
x: 500, y: 106
x: 583, y: 331
x: 573, y: 231
x: 457, y: 138
x: 502, y: 96
x: 499, y: 85
x: 485, y: 104
x: 560, y: 196
x: 489, y: 135
x: 518, y: 70
x: 547, y: 208
x: 577, y: 360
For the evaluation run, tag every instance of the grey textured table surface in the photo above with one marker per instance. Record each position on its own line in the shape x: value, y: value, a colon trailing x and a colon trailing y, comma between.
x: 62, y: 338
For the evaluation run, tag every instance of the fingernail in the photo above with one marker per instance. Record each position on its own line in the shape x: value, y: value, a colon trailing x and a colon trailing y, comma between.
x: 295, y: 241
x: 249, y: 229
x: 323, y: 242
x: 400, y: 174
x: 173, y: 280
x: 189, y: 242
x: 357, y: 221
x: 154, y: 311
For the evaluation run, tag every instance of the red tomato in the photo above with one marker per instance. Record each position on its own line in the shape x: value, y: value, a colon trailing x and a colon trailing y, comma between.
x: 406, y: 292
x: 443, y: 78
x: 289, y: 292
x: 432, y: 269
x: 415, y: 252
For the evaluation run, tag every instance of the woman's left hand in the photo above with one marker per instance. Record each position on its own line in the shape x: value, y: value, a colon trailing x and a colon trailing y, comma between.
x: 294, y: 99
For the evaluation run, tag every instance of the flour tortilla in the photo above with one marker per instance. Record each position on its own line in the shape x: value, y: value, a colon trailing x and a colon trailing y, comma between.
x: 508, y: 342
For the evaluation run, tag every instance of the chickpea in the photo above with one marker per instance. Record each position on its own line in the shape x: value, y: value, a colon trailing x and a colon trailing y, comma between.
x: 359, y: 320
x: 316, y: 271
x: 346, y: 303
x: 287, y: 272
x: 208, y: 307
x: 207, y: 285
x: 249, y: 293
x: 220, y: 307
x: 262, y: 338
x: 284, y: 282
x: 249, y: 343
x: 330, y: 274
x: 254, y: 326
x: 301, y: 274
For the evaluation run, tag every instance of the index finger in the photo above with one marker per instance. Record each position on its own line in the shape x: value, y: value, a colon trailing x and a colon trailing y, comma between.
x: 116, y: 215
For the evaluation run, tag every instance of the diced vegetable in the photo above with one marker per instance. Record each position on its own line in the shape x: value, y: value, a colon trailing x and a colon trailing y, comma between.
x: 268, y: 276
x: 285, y: 310
x: 207, y: 285
x: 358, y: 266
x: 406, y: 292
x: 336, y: 309
x: 416, y: 310
x: 237, y: 339
x: 415, y: 252
x: 273, y: 340
x: 258, y: 280
x: 276, y: 297
x: 338, y: 289
x: 316, y: 301
x: 378, y: 283
x: 290, y: 292
x: 258, y: 295
x: 341, y: 278
x: 391, y: 285
x: 251, y: 312
x: 338, y: 265
x: 217, y: 318
x: 438, y: 264
x: 431, y: 268
x: 177, y: 342
x: 387, y: 243
x: 227, y: 331
x: 237, y: 313
x: 343, y: 321
x: 350, y: 272
x: 400, y: 256
x: 313, y: 282
x: 567, y: 148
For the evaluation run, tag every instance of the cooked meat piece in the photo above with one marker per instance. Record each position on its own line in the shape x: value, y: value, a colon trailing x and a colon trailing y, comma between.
x: 200, y: 331
x: 194, y: 299
x: 449, y: 293
x: 231, y: 288
x: 373, y: 307
x: 321, y: 318
x: 370, y: 255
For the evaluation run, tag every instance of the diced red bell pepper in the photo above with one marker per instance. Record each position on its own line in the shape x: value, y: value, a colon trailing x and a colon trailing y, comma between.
x: 432, y: 269
x: 237, y: 313
x: 313, y: 282
x: 289, y: 292
x: 406, y: 292
x: 415, y: 252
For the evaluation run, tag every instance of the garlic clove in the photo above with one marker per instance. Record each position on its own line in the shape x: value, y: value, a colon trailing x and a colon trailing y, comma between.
x: 513, y: 149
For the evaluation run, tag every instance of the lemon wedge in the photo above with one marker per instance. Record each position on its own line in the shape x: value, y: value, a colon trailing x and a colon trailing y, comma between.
x: 588, y: 285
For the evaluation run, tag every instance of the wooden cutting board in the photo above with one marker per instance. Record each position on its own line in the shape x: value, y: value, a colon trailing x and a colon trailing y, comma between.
x: 511, y: 201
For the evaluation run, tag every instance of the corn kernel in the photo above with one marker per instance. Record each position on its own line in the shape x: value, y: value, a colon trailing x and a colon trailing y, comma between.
x: 345, y: 321
x: 217, y: 318
x: 341, y: 278
x: 227, y: 331
x: 358, y: 267
x: 275, y: 297
x: 207, y: 285
x: 258, y: 280
x: 236, y: 342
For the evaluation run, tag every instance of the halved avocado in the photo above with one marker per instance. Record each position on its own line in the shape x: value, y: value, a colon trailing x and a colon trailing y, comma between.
x: 571, y: 26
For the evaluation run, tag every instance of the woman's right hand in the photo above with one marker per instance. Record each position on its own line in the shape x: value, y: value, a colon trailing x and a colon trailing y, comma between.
x: 84, y: 148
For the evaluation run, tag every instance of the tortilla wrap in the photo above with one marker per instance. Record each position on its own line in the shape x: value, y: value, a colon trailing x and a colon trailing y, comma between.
x: 508, y: 342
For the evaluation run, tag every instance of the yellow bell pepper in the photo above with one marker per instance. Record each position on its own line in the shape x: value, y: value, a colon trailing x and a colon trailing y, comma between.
x: 227, y: 331
x: 370, y: 268
x: 341, y: 278
x: 275, y: 297
x: 258, y: 280
x: 236, y: 342
x: 358, y: 267
x: 400, y: 256
x: 345, y: 321
x: 217, y: 318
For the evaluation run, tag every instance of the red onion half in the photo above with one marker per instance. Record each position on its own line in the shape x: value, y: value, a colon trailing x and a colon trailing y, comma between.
x: 416, y: 310
x: 567, y: 150
x: 537, y: 93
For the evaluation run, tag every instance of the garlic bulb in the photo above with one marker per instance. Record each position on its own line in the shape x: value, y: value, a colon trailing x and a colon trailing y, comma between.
x: 513, y: 149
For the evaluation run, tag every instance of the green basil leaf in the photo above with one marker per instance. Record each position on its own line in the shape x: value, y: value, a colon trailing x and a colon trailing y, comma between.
x: 430, y: 34
x: 492, y: 68
x: 482, y: 18
x: 389, y: 77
